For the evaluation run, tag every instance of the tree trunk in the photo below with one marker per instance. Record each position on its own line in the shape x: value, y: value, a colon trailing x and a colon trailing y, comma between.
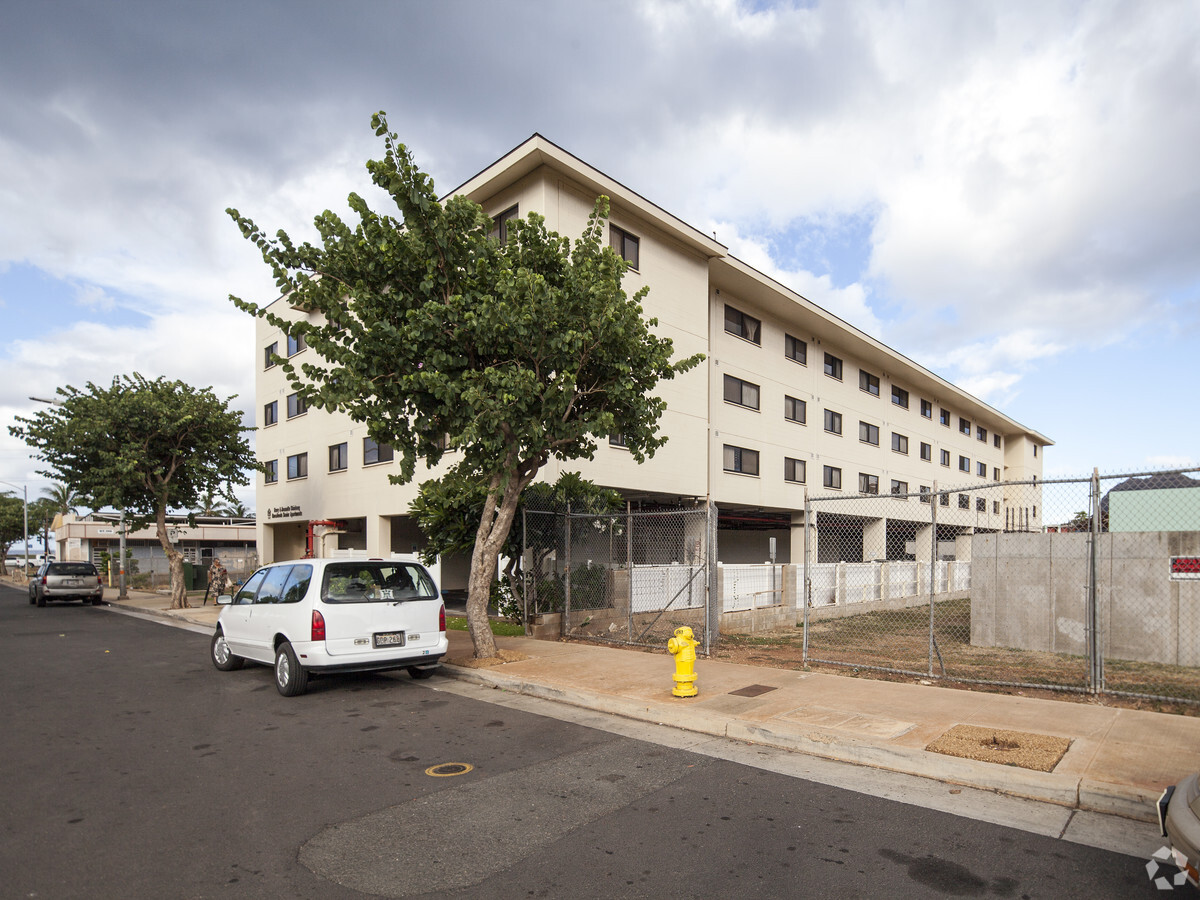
x: 174, y: 561
x: 494, y: 526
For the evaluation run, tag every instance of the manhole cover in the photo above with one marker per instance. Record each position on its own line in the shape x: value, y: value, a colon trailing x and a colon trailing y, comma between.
x: 752, y: 690
x: 445, y: 770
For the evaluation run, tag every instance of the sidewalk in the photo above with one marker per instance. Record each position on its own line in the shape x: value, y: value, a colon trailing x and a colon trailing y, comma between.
x: 1118, y: 762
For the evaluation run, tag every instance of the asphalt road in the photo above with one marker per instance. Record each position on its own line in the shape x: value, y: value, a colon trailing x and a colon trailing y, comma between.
x: 132, y: 768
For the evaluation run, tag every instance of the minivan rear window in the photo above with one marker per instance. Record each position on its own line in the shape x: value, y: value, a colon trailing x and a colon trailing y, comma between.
x: 71, y: 569
x: 376, y: 582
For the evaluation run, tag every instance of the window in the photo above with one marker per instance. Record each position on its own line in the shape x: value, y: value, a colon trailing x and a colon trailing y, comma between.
x: 981, y: 469
x: 793, y: 470
x: 868, y: 433
x: 795, y: 410
x: 296, y: 405
x: 945, y: 457
x: 943, y: 499
x: 926, y: 409
x: 900, y: 488
x: 964, y: 464
x: 618, y: 440
x: 742, y: 325
x: 270, y: 413
x: 926, y: 496
x: 269, y: 355
x: 995, y: 507
x: 743, y: 393
x: 964, y: 426
x: 980, y: 433
x: 868, y: 484
x: 298, y: 466
x: 374, y: 452
x: 741, y: 460
x: 1035, y: 448
x: 833, y: 366
x: 625, y: 244
x: 833, y: 422
x: 995, y: 473
x: 926, y: 452
x: 944, y: 417
x: 996, y: 441
x: 868, y: 382
x: 499, y: 230
x: 795, y: 349
x: 964, y: 502
x: 900, y: 396
x: 338, y: 457
x: 900, y: 443
x: 1035, y: 512
x: 980, y: 505
x: 296, y: 343
x: 832, y: 477
x: 272, y: 474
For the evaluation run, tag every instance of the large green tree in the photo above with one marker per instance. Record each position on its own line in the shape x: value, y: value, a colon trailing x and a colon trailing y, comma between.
x: 142, y: 446
x: 12, y: 526
x: 439, y: 337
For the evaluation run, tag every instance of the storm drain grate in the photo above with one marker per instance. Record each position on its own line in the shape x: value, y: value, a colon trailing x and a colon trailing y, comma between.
x: 753, y: 690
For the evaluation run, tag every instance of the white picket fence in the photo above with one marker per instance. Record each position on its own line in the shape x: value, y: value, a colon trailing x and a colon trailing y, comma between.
x: 840, y: 584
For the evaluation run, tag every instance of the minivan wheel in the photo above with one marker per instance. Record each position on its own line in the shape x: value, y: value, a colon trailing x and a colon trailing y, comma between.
x: 290, y: 677
x: 222, y: 656
x: 421, y: 674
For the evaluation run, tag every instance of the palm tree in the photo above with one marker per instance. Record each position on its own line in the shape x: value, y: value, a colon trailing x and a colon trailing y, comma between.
x: 61, y: 498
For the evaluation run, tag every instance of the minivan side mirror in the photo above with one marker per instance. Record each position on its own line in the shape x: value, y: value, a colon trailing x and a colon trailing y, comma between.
x: 225, y: 600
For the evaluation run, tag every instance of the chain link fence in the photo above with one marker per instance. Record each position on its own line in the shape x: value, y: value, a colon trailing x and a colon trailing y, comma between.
x: 1084, y: 584
x: 631, y: 577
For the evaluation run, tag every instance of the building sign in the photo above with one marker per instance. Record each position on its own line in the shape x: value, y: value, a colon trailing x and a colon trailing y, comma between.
x: 1185, y: 568
x: 284, y: 512
x: 105, y: 529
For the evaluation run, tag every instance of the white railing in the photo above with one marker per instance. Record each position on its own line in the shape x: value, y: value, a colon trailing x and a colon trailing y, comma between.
x: 660, y: 587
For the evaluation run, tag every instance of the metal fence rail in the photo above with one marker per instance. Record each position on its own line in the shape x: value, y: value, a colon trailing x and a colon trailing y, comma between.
x: 630, y: 578
x: 1085, y: 584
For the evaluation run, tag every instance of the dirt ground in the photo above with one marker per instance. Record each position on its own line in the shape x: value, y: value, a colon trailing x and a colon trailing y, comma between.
x: 862, y: 645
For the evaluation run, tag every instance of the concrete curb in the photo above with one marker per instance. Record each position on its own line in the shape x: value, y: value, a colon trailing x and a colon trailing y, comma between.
x: 1069, y: 791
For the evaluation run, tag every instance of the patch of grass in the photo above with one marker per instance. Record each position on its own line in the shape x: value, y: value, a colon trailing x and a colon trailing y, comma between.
x: 499, y: 627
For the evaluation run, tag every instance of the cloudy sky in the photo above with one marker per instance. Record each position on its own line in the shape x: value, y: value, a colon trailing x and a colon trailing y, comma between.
x: 1007, y: 193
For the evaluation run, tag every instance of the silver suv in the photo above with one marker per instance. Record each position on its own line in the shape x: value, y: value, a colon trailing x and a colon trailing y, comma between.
x: 66, y: 581
x: 319, y: 616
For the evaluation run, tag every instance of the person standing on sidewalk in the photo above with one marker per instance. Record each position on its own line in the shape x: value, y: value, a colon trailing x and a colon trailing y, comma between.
x: 218, y: 580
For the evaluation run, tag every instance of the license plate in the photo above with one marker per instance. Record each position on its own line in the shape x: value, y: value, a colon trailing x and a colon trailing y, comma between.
x: 72, y: 582
x: 390, y: 639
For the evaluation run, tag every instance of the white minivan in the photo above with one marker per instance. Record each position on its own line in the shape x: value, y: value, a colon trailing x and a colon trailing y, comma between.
x: 318, y: 616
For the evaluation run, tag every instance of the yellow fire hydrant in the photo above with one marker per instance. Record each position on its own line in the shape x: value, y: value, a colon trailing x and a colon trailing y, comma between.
x: 683, y: 648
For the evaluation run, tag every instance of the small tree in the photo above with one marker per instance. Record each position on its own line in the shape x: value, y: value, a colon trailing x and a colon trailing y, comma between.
x: 436, y: 335
x: 12, y: 525
x: 142, y: 446
x: 448, y: 511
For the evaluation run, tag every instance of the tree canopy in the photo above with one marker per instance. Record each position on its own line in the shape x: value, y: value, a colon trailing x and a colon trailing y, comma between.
x: 12, y: 525
x: 439, y: 337
x: 144, y: 447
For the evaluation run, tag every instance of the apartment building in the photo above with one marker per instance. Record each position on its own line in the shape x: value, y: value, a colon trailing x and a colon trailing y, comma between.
x: 790, y: 399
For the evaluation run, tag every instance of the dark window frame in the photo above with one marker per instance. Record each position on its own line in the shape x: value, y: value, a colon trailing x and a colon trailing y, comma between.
x: 739, y: 325
x: 296, y: 405
x: 270, y: 413
x: 626, y: 244
x: 382, y: 453
x: 833, y: 418
x: 339, y: 457
x: 926, y: 409
x: 926, y: 452
x: 868, y: 383
x: 795, y: 402
x: 900, y: 443
x: 865, y: 431
x: 271, y: 475
x: 833, y: 366
x: 790, y: 345
x: 899, y: 397
x: 868, y: 483
x: 269, y: 353
x: 831, y: 477
x: 296, y: 344
x: 294, y: 472
x: 743, y: 460
x: 500, y: 222
x: 790, y: 465
x: 739, y: 386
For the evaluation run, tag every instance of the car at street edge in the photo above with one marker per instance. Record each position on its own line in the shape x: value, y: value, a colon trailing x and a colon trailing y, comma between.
x: 66, y: 581
x: 1179, y: 821
x: 325, y: 616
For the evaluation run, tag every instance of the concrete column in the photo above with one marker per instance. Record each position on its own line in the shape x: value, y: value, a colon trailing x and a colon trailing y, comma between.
x: 874, y: 539
x: 924, y: 541
x: 266, y: 542
x: 379, y: 536
x: 796, y: 542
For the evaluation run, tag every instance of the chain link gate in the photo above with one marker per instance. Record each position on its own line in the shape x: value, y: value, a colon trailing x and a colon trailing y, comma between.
x: 631, y: 577
x: 1085, y: 584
